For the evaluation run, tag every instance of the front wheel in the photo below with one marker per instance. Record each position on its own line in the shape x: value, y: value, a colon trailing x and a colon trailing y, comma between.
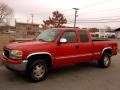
x: 37, y: 71
x: 105, y: 61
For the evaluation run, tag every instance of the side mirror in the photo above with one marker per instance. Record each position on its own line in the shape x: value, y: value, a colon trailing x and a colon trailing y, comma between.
x: 63, y: 40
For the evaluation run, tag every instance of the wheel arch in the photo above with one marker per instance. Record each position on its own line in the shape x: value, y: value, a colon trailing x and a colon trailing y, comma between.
x: 41, y: 55
x: 107, y: 50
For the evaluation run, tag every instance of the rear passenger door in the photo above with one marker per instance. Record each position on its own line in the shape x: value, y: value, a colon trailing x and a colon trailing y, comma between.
x: 85, y: 46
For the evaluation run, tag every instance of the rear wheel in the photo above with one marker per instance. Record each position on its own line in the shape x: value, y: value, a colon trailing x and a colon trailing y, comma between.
x: 37, y: 71
x: 105, y: 61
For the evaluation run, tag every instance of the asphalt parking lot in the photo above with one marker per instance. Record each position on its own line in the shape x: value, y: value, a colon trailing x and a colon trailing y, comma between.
x: 84, y: 76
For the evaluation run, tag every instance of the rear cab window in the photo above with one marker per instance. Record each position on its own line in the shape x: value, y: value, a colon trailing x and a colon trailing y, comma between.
x: 83, y: 35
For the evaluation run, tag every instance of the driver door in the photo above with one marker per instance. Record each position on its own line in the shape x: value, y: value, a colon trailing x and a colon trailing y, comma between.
x: 66, y: 53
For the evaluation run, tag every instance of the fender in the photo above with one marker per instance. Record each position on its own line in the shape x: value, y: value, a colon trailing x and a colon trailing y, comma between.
x: 38, y: 53
x: 105, y: 49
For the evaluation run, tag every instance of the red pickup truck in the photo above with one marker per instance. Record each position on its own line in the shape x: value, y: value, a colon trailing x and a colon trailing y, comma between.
x: 54, y: 48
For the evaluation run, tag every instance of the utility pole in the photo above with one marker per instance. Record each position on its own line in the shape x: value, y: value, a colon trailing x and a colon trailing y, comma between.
x: 27, y: 20
x: 32, y: 18
x: 75, y: 16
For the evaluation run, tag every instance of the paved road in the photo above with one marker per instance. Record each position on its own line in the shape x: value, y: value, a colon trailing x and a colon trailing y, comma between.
x: 86, y: 76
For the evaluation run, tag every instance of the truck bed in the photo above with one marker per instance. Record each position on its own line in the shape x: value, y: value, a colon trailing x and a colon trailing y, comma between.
x: 100, y: 44
x: 99, y: 39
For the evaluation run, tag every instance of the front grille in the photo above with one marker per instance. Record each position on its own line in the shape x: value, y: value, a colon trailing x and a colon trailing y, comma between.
x: 6, y: 53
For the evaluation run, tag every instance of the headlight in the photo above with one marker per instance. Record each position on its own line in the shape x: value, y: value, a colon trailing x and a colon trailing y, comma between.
x: 16, y: 54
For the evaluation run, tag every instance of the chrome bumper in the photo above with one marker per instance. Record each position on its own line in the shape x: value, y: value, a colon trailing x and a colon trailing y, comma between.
x: 15, y: 67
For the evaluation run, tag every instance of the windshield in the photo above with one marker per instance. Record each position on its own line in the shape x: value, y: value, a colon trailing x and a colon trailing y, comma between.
x: 48, y: 35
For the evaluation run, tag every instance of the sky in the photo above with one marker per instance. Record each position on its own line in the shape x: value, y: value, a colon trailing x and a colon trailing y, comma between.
x: 91, y: 13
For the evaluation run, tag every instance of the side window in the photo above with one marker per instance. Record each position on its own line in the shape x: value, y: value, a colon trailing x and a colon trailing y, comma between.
x: 83, y: 36
x: 70, y: 36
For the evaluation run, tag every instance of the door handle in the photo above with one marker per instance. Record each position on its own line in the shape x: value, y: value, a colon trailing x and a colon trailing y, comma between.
x: 77, y: 46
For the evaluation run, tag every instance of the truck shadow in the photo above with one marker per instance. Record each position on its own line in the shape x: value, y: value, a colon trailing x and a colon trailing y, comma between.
x: 53, y: 74
x: 74, y: 68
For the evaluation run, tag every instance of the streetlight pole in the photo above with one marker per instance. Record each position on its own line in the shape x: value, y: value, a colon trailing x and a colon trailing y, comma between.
x: 75, y: 16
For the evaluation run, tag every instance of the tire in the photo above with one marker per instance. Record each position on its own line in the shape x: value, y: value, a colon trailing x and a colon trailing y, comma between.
x: 105, y: 61
x: 37, y: 70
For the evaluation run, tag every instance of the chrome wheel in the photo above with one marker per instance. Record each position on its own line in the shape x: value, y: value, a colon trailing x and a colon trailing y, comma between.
x: 39, y: 71
x: 106, y: 61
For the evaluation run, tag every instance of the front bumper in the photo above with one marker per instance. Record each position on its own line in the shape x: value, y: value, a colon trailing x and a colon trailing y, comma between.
x: 15, y: 65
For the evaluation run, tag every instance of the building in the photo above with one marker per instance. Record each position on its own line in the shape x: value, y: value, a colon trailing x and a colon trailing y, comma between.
x: 102, y: 33
x: 98, y: 33
x: 4, y: 28
x: 26, y: 30
x: 117, y: 32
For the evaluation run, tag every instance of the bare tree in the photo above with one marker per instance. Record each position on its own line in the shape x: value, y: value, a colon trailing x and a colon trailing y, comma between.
x: 5, y: 12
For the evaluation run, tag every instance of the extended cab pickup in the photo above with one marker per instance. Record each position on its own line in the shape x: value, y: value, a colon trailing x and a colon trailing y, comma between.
x: 54, y: 48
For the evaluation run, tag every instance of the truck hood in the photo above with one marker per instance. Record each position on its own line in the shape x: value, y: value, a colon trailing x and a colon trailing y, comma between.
x: 24, y: 45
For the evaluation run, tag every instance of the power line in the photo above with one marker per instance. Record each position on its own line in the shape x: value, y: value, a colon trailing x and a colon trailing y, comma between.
x: 88, y: 6
x: 95, y: 21
x: 93, y: 4
x: 100, y: 19
x: 103, y: 17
